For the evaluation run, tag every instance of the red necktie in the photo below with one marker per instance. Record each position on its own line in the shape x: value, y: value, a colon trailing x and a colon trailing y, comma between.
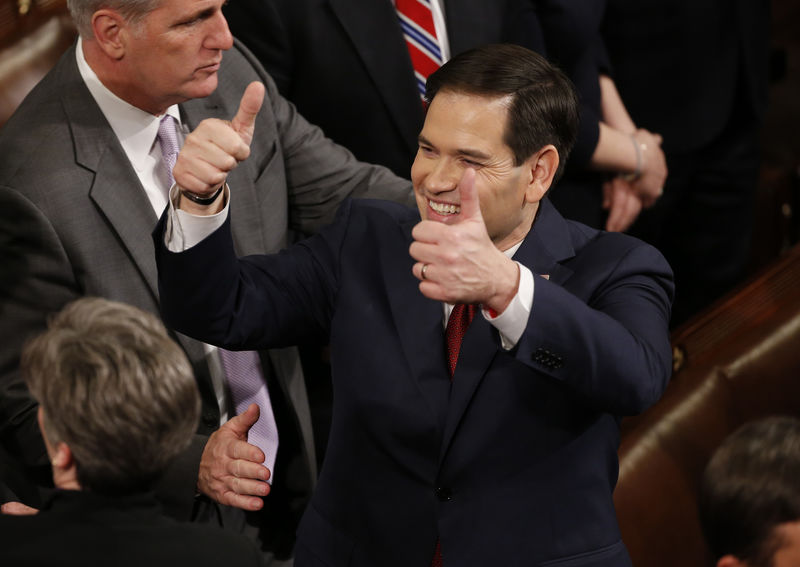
x: 416, y: 20
x: 457, y: 324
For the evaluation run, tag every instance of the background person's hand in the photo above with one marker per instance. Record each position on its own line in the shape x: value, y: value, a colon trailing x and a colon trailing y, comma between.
x: 650, y: 184
x: 622, y: 202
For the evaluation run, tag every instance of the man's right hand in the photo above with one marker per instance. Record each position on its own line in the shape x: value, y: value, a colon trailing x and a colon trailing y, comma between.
x: 231, y: 469
x: 216, y: 147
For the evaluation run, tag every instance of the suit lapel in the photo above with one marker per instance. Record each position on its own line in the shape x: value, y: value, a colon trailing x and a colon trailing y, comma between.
x: 419, y: 326
x: 547, y: 245
x: 116, y: 190
x: 544, y: 248
x: 367, y: 24
x: 478, y: 349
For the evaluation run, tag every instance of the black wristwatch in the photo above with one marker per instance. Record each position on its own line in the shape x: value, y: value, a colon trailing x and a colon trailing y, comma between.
x: 204, y: 201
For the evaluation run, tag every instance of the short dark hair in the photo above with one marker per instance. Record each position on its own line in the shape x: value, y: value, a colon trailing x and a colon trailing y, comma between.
x: 750, y: 487
x: 544, y: 104
x: 116, y: 389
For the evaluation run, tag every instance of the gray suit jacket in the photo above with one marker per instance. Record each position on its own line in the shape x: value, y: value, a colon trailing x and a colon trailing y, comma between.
x: 76, y: 221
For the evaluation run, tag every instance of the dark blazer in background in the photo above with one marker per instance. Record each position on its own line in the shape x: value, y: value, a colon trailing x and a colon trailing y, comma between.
x: 515, y: 463
x: 571, y: 30
x: 75, y: 222
x: 695, y: 71
x: 345, y: 65
x: 680, y: 65
x: 85, y: 529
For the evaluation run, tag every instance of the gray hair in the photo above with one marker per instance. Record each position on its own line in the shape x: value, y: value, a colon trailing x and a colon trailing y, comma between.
x: 83, y: 10
x: 116, y: 389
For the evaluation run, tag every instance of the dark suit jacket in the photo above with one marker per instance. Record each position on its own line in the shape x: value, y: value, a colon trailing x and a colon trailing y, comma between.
x: 84, y: 529
x: 514, y: 464
x: 76, y: 221
x: 345, y: 65
x: 680, y: 64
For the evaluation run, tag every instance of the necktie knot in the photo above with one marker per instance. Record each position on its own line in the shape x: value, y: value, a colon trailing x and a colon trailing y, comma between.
x: 457, y: 324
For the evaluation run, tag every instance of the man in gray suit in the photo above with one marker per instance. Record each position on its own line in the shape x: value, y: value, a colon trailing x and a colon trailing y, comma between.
x: 82, y: 183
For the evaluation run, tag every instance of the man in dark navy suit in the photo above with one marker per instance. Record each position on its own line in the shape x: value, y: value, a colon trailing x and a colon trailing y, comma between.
x: 494, y: 444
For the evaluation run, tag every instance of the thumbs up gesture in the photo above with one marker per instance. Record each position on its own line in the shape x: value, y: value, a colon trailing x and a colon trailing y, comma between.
x: 458, y: 263
x: 217, y: 146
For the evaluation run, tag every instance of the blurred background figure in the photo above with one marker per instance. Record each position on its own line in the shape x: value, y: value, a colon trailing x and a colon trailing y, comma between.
x: 696, y: 72
x: 616, y: 169
x: 98, y: 372
x: 750, y: 496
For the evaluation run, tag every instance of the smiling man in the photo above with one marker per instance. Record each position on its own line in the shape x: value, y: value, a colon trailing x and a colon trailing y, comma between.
x: 455, y: 441
x: 85, y: 172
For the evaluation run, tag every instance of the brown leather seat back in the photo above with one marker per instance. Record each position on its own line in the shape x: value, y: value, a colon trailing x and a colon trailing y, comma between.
x: 33, y: 35
x: 736, y: 362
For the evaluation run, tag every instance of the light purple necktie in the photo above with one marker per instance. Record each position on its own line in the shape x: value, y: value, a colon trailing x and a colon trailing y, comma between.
x: 242, y: 368
x: 247, y: 385
x: 168, y: 140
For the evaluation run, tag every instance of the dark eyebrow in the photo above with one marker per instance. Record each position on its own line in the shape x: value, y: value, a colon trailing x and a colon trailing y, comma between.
x: 473, y: 154
x: 470, y: 153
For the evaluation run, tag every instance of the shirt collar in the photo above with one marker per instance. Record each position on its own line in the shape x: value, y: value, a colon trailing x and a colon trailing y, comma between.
x: 513, y: 250
x: 135, y: 129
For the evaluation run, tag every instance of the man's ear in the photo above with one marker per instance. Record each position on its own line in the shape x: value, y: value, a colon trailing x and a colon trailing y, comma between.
x: 730, y: 561
x: 62, y: 456
x: 542, y: 167
x: 65, y: 471
x: 109, y: 31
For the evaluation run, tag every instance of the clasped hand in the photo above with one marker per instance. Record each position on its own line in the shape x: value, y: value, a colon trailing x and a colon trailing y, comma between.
x: 650, y: 184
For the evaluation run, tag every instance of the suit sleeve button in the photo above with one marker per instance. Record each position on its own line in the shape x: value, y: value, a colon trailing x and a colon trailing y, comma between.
x: 443, y: 494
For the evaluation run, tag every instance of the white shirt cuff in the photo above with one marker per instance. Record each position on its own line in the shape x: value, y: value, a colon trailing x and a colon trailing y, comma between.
x: 184, y: 230
x: 511, y: 323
